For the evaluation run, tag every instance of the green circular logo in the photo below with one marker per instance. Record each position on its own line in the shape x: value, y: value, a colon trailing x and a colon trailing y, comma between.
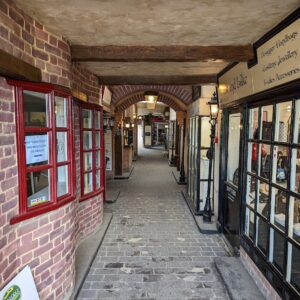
x: 13, y: 293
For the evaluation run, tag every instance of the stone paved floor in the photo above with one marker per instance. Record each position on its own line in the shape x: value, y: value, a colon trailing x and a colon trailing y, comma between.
x: 153, y: 249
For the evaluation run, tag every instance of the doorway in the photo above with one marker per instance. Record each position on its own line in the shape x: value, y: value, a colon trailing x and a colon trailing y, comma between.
x: 231, y: 176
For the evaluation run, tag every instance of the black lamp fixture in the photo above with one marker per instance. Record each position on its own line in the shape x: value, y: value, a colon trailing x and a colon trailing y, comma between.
x: 214, y: 110
x: 151, y: 99
x: 213, y: 107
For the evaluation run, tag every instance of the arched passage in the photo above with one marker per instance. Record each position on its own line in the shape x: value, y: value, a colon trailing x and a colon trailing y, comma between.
x: 182, y: 93
x: 168, y: 99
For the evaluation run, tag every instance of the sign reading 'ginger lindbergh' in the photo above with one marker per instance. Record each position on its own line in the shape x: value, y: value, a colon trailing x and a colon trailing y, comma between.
x: 278, y: 59
x: 278, y: 62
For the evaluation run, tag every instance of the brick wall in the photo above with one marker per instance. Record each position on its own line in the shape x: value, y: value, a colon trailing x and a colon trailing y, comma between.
x: 263, y: 284
x: 46, y: 243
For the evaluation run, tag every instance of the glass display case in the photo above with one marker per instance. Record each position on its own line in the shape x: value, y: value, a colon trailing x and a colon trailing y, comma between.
x: 198, y: 145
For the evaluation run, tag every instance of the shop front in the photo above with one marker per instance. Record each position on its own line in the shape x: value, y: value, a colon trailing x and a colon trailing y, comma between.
x: 197, y: 171
x: 259, y: 199
x: 230, y: 184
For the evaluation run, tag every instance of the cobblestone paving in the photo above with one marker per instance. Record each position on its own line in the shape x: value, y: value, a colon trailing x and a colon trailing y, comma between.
x: 153, y: 249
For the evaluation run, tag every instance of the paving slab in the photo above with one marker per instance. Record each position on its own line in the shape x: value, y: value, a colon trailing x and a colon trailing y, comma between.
x: 239, y: 283
x: 176, y: 175
x: 207, y: 228
x: 112, y: 192
x: 86, y: 251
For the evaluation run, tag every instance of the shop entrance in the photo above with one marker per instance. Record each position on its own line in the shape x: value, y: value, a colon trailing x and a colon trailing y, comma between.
x: 230, y: 197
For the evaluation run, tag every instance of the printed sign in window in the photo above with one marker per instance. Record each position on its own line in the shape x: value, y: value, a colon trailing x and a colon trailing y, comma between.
x: 36, y: 148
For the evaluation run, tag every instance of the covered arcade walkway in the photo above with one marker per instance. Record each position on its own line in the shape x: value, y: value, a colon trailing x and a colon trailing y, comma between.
x: 153, y: 249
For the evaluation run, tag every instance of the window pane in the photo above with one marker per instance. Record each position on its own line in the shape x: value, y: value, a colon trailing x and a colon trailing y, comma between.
x: 88, y: 183
x: 277, y: 249
x: 253, y: 124
x: 87, y: 161
x: 249, y: 225
x: 35, y: 109
x: 97, y: 119
x: 233, y: 148
x: 61, y: 146
x: 297, y: 123
x: 294, y: 219
x: 98, y: 158
x: 205, y: 132
x: 62, y: 180
x: 86, y: 118
x: 60, y: 111
x: 266, y: 118
x: 87, y: 140
x: 97, y: 139
x: 262, y: 234
x: 283, y: 121
x: 98, y: 178
x: 252, y: 157
x: 295, y: 171
x: 38, y: 187
x: 251, y: 191
x: 278, y: 208
x: 295, y: 267
x: 263, y: 198
x: 281, y: 165
x: 265, y: 160
x: 37, y: 149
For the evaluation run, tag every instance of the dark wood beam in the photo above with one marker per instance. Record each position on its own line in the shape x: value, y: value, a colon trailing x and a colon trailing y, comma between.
x: 13, y: 67
x: 163, y: 80
x: 161, y: 53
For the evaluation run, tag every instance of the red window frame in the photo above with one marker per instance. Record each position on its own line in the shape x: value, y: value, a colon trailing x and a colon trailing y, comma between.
x: 95, y: 191
x: 54, y: 202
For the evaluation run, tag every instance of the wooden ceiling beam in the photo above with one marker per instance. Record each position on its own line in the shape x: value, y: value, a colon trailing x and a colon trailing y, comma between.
x: 13, y: 67
x: 176, y: 53
x: 160, y: 80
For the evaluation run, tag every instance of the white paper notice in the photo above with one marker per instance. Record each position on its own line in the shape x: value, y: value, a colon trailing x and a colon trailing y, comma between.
x: 36, y: 148
x: 21, y: 287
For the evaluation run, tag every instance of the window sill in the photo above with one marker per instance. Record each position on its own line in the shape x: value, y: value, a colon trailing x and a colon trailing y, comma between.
x: 41, y: 210
x: 92, y: 194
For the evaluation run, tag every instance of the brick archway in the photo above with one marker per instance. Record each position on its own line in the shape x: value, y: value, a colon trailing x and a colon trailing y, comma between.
x: 182, y: 94
x: 165, y: 98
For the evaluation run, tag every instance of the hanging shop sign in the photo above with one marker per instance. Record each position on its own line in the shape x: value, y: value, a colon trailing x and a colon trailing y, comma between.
x: 36, y: 148
x: 80, y: 95
x: 108, y: 149
x: 21, y: 287
x: 106, y: 97
x: 277, y: 63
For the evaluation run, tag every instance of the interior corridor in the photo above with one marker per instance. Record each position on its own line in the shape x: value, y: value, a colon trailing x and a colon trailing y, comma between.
x: 153, y: 249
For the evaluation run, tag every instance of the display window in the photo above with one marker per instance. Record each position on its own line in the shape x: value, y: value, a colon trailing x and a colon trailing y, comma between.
x: 92, y: 150
x: 272, y: 174
x: 198, y: 145
x: 45, y: 148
